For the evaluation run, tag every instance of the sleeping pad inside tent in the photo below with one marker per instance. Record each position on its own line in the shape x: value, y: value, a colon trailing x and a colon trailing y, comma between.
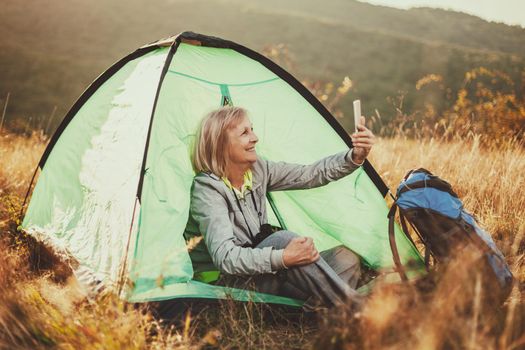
x: 114, y: 185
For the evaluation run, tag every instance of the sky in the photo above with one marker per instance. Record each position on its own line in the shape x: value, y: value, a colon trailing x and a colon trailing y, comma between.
x: 506, y: 11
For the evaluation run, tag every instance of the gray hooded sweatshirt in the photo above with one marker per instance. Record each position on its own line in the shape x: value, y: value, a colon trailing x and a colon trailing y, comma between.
x: 215, y: 213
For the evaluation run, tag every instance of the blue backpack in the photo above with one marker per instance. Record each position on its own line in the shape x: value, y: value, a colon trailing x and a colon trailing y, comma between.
x: 437, y: 215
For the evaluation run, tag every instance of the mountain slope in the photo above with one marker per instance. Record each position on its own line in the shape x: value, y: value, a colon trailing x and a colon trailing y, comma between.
x: 52, y: 50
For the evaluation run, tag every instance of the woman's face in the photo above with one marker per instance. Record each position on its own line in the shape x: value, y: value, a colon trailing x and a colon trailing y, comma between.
x: 242, y: 141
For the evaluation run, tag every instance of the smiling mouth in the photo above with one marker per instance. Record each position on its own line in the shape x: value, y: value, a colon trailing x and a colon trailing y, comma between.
x: 251, y: 149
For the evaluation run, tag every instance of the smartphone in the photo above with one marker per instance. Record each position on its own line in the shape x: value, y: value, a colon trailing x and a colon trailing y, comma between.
x: 357, y: 113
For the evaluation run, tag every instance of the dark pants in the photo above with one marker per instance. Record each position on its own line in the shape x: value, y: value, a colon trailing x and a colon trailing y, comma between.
x: 329, y: 281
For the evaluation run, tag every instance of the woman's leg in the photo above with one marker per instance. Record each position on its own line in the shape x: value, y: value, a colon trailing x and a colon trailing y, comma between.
x: 345, y: 263
x: 317, y: 281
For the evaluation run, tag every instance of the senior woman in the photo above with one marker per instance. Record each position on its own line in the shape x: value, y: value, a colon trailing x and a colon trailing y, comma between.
x: 228, y: 206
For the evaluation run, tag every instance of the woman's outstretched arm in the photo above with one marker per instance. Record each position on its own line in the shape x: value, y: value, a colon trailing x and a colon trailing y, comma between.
x: 287, y: 176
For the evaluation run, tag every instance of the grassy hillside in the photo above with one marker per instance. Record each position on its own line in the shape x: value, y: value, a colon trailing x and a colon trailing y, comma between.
x: 51, y: 50
x: 419, y: 24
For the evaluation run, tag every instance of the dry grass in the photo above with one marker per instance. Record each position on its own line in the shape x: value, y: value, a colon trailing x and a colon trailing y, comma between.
x: 36, y: 313
x: 20, y: 156
x: 457, y: 314
x: 39, y: 310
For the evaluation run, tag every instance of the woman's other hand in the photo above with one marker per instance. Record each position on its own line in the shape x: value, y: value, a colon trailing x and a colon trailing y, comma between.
x: 300, y: 251
x: 362, y: 141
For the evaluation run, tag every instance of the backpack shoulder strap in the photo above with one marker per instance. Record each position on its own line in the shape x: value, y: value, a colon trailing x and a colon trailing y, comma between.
x: 393, y: 245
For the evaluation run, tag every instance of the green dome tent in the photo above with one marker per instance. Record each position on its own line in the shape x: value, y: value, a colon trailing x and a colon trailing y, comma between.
x: 114, y: 186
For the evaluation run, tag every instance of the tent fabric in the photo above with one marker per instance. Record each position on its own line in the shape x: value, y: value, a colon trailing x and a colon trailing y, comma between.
x: 114, y: 189
x: 84, y: 197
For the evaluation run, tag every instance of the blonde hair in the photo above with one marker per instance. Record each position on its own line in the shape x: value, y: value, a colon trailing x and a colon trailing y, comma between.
x: 211, y: 145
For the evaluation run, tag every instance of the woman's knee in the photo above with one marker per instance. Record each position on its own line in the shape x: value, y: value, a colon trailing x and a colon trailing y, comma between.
x: 341, y: 256
x: 285, y: 235
x: 279, y: 239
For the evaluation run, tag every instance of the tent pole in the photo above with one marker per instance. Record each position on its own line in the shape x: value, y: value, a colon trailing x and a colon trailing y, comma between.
x: 121, y: 280
x: 27, y: 193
